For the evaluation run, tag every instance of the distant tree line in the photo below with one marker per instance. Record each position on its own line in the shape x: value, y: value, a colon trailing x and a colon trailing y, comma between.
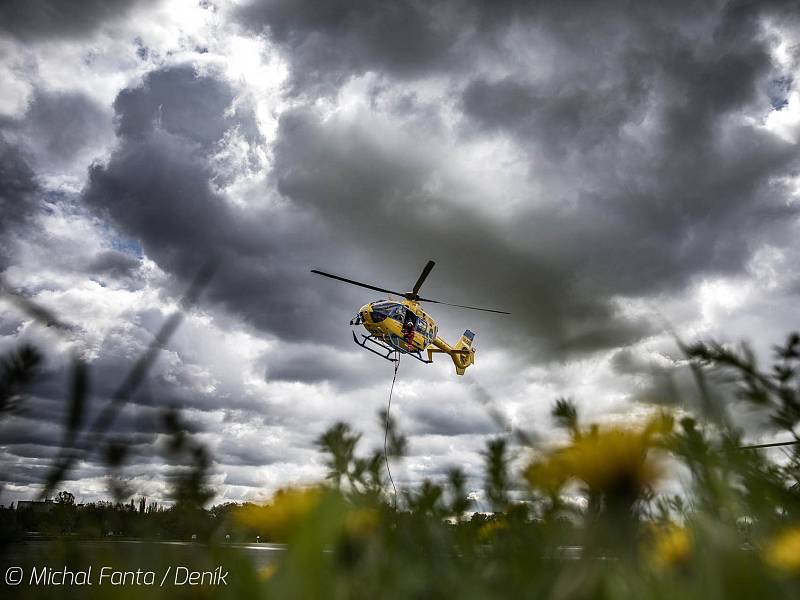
x: 142, y: 519
x: 62, y: 517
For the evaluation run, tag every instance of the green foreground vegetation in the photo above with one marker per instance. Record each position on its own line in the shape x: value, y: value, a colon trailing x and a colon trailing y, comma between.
x: 583, y: 520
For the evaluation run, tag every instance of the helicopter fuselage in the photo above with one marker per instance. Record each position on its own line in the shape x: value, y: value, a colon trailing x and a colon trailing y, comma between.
x: 402, y: 324
x: 405, y: 327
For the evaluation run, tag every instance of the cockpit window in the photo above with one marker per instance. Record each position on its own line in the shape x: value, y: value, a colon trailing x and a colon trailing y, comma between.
x: 383, y: 310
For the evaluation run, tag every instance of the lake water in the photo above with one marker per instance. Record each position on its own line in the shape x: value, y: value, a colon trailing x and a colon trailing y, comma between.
x: 55, y: 550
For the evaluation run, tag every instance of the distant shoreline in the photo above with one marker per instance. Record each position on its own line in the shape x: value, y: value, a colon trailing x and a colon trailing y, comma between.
x: 36, y: 537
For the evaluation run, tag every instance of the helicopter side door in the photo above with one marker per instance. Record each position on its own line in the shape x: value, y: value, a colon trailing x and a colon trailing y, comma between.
x: 409, y: 324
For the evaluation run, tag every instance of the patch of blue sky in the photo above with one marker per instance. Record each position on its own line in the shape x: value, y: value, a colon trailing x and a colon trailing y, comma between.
x: 778, y: 91
x: 127, y: 245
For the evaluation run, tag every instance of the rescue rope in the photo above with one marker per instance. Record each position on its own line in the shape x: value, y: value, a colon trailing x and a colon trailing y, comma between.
x: 386, y: 431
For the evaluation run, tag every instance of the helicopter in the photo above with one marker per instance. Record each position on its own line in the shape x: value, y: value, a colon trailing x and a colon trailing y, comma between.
x: 403, y: 327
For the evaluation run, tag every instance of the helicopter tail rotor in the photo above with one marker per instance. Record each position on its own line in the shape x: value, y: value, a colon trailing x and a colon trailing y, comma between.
x: 463, y: 353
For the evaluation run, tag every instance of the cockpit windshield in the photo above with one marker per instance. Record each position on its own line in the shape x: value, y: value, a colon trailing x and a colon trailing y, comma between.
x: 386, y: 309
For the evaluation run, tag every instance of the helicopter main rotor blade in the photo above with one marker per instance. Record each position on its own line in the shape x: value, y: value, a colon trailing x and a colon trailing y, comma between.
x: 491, y: 310
x: 358, y: 283
x: 425, y: 272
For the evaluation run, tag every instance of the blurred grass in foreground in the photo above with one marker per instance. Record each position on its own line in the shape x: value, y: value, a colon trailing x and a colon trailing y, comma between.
x: 580, y: 521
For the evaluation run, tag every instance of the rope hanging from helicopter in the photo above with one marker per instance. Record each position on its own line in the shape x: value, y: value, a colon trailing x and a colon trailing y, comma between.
x: 393, y: 356
x: 386, y: 429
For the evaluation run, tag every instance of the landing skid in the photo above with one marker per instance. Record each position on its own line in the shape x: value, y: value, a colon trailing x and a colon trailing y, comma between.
x: 392, y: 353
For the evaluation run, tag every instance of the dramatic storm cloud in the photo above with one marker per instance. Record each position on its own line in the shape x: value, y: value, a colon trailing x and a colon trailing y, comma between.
x: 17, y: 194
x: 612, y: 174
x: 41, y: 19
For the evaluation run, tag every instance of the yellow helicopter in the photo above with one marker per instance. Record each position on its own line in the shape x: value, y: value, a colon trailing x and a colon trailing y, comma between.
x: 402, y: 327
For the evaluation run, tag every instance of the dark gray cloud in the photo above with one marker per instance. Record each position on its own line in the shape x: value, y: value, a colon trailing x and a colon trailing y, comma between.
x: 173, y: 203
x: 316, y: 363
x: 18, y: 194
x: 185, y: 103
x: 115, y: 264
x: 182, y: 223
x: 686, y: 68
x: 576, y: 114
x: 663, y: 383
x: 258, y: 451
x: 60, y: 125
x: 46, y: 19
x: 450, y: 418
x: 328, y: 43
x: 408, y: 39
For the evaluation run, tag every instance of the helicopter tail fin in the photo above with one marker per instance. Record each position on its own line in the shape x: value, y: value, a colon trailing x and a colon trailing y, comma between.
x: 466, y: 340
x: 464, y: 354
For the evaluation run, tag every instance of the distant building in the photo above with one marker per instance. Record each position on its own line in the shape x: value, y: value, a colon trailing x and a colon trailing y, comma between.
x: 37, y: 505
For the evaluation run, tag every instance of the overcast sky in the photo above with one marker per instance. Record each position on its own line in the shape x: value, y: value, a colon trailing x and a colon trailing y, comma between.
x: 606, y: 173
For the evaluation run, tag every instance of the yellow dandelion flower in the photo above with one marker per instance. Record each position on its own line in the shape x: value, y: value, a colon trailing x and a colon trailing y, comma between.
x: 611, y: 459
x: 784, y: 551
x: 545, y: 475
x: 361, y: 521
x: 268, y: 571
x: 671, y: 548
x: 288, y: 509
x: 491, y: 529
x: 614, y: 459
